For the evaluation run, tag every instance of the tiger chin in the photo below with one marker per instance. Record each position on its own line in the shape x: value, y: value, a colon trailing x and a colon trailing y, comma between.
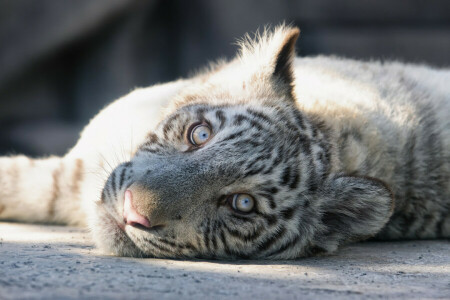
x: 265, y: 156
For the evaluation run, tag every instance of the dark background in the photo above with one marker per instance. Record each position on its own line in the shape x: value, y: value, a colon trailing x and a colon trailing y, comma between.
x: 61, y: 61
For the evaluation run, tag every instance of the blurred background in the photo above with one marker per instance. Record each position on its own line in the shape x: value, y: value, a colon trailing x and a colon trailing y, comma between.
x: 61, y: 61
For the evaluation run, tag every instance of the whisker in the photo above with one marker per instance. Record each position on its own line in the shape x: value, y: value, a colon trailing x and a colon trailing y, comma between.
x: 107, y: 162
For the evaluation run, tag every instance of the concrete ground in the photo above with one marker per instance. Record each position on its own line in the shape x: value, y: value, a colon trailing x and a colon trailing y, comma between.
x: 50, y: 262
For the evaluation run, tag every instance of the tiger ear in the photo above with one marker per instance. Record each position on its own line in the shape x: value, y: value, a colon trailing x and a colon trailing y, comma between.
x: 353, y: 208
x: 272, y: 54
x: 283, y: 71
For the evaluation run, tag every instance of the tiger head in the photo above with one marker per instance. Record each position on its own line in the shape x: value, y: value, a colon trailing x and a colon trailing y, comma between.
x: 236, y: 170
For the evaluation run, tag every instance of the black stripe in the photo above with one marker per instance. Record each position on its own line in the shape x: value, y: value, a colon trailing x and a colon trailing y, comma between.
x: 299, y: 119
x: 166, y: 130
x: 113, y: 184
x: 152, y: 138
x: 260, y: 116
x: 439, y: 229
x: 242, y: 143
x: 284, y: 247
x: 107, y: 191
x: 261, y: 157
x: 313, y: 183
x: 254, y: 144
x: 306, y: 203
x: 242, y: 236
x: 251, y: 163
x: 272, y: 240
x: 159, y: 247
x: 172, y: 118
x: 241, y: 217
x: 288, y: 213
x: 279, y: 158
x: 271, y: 219
x: 215, y: 227
x: 326, y: 147
x: 293, y: 152
x: 167, y: 242
x: 187, y: 246
x: 56, y: 191
x: 253, y: 172
x: 202, y: 111
x: 285, y: 116
x: 221, y: 116
x: 314, y: 132
x: 256, y: 125
x: 103, y: 196
x: 294, y: 179
x: 224, y: 242
x: 122, y: 177
x: 168, y: 125
x: 268, y: 171
x: 231, y: 252
x: 284, y: 179
x: 234, y: 135
x: 206, y: 231
x: 269, y: 197
x: 238, y: 119
x: 271, y: 190
x: 150, y: 150
x: 305, y: 144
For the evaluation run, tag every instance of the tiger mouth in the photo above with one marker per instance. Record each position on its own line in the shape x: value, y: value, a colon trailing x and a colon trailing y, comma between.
x: 122, y: 225
x: 153, y: 229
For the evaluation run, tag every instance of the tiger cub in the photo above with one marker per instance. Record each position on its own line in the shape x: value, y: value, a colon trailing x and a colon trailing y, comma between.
x: 264, y: 156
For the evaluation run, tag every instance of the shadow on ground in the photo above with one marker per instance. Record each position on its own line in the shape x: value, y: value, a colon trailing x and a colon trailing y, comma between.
x: 50, y: 262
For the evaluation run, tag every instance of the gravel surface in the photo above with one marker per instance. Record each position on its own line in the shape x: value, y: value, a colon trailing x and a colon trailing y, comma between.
x: 52, y: 262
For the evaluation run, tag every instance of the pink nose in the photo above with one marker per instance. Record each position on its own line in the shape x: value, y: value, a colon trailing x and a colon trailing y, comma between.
x: 130, y: 215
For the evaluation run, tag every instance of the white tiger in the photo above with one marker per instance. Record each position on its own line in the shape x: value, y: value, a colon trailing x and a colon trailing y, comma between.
x: 264, y: 156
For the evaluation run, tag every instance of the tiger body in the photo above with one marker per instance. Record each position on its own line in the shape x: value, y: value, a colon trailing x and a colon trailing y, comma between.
x: 331, y: 150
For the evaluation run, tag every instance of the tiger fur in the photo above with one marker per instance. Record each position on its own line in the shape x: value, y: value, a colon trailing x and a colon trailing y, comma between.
x: 332, y: 150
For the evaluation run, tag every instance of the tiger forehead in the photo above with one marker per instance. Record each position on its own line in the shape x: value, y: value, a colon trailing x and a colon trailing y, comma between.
x: 284, y: 119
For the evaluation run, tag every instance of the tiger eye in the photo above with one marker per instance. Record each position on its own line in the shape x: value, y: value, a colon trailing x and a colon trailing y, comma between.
x: 243, y: 203
x: 200, y: 134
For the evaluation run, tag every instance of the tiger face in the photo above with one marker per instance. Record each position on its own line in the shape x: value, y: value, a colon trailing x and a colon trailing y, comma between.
x: 235, y: 170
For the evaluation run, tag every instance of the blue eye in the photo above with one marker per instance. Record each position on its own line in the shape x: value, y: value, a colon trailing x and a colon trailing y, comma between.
x: 242, y: 202
x: 200, y: 134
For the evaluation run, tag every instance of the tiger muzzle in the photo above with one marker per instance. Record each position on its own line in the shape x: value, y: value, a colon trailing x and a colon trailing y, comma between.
x: 171, y: 189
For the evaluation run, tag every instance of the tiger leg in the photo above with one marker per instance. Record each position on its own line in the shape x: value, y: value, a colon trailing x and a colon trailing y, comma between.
x: 41, y: 190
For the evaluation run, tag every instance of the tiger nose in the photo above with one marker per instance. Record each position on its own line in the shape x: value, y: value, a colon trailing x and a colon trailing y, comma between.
x: 130, y: 214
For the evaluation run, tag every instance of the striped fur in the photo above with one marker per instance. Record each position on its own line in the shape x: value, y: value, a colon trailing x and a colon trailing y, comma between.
x: 332, y: 150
